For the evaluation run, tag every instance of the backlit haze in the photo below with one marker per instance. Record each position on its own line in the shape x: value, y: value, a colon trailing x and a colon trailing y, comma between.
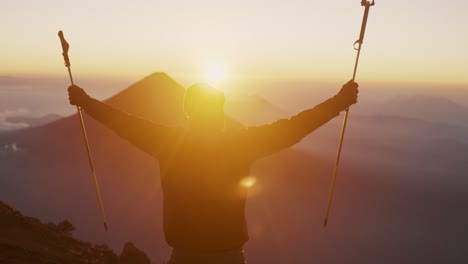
x: 407, y: 41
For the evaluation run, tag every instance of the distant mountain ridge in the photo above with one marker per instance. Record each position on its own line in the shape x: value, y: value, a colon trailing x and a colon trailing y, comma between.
x: 429, y: 108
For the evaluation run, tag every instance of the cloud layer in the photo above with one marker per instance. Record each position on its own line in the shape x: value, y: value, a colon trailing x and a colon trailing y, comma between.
x: 6, y: 125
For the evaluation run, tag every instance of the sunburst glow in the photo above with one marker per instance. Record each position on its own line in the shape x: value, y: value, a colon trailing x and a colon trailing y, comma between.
x: 215, y: 73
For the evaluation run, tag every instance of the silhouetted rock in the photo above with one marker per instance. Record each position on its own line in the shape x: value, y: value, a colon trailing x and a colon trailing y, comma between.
x: 132, y: 255
x: 66, y: 227
x: 26, y: 240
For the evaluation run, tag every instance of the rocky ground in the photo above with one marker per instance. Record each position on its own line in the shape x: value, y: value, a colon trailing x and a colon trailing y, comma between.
x: 26, y: 240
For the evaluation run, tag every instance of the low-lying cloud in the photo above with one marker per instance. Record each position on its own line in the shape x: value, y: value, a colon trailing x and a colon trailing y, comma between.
x: 6, y: 125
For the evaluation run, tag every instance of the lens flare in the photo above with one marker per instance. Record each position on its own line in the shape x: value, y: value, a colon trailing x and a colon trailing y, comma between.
x: 248, y: 182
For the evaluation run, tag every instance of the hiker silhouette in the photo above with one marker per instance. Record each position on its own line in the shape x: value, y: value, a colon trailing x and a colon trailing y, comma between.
x: 202, y: 165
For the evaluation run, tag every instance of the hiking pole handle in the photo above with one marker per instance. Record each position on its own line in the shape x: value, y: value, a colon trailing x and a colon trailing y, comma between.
x: 65, y: 48
x: 367, y: 5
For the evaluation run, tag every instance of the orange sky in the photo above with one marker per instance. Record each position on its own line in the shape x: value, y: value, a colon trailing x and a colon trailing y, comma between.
x: 409, y: 41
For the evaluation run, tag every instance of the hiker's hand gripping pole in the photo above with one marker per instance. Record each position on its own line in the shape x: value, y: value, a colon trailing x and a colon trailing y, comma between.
x: 358, y: 42
x: 65, y: 48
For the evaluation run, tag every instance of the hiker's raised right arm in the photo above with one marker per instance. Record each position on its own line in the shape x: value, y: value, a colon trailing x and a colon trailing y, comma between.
x: 146, y: 135
x: 284, y: 133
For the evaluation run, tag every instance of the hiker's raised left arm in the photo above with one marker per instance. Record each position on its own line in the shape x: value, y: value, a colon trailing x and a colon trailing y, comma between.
x: 284, y: 133
x: 146, y: 135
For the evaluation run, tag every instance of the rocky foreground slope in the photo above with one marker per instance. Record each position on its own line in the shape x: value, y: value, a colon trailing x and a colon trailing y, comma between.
x: 26, y: 240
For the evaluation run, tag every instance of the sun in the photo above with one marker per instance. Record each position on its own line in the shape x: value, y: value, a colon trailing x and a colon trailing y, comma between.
x: 215, y: 73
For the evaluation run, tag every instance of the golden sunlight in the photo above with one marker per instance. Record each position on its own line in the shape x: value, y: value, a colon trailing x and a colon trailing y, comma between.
x: 215, y: 73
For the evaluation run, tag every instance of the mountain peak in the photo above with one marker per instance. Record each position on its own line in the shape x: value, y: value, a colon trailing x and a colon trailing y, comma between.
x: 158, y: 75
x: 159, y: 80
x: 153, y: 97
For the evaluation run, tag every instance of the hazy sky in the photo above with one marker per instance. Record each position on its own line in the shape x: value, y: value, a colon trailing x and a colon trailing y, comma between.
x: 416, y: 41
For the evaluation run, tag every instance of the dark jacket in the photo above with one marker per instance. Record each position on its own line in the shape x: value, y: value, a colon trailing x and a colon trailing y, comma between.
x: 204, y: 201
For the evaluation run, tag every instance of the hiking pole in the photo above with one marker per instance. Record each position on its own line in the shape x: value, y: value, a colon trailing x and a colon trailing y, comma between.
x: 65, y: 47
x: 367, y: 5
